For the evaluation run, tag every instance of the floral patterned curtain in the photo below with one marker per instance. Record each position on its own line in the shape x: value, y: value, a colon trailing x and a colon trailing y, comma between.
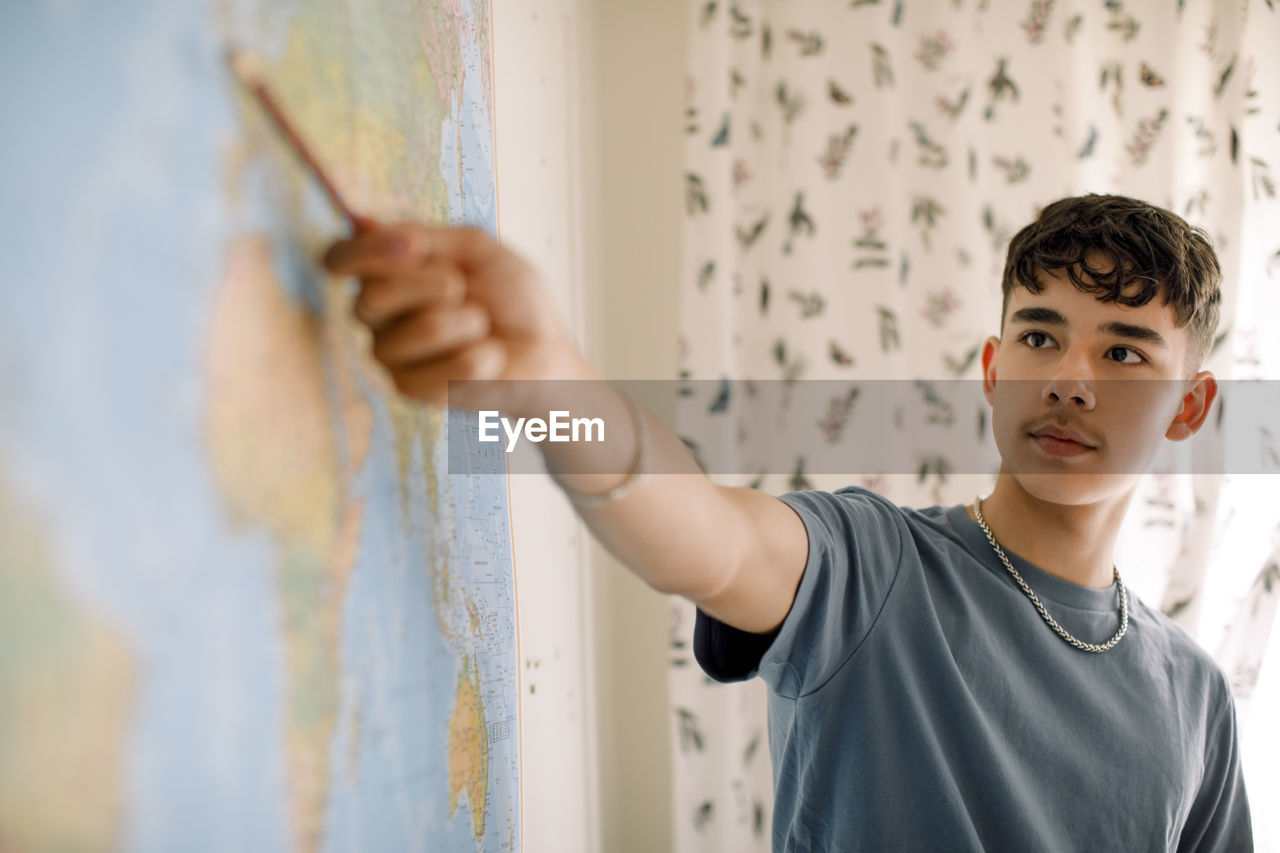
x: 855, y: 170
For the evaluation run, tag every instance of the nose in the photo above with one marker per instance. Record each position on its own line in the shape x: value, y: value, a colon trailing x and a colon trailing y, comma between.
x: 1075, y: 390
x: 1069, y: 382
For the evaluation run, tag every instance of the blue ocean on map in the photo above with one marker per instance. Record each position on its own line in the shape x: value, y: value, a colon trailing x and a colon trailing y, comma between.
x: 119, y: 216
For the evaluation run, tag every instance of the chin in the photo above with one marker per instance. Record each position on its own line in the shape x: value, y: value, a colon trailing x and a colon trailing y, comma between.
x: 1075, y: 481
x: 1067, y: 489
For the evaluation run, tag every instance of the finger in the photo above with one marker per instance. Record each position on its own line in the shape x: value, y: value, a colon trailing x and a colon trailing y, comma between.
x: 380, y: 251
x: 381, y: 300
x: 394, y: 249
x: 430, y: 334
x: 429, y: 381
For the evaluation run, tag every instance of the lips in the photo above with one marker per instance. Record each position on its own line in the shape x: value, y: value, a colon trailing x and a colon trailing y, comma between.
x: 1062, y: 434
x: 1059, y: 441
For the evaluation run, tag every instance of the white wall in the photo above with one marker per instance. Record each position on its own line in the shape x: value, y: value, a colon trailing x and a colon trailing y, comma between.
x: 538, y: 116
x: 589, y: 104
x: 635, y: 177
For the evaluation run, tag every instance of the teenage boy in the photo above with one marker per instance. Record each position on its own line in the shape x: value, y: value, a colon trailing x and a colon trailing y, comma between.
x: 963, y: 678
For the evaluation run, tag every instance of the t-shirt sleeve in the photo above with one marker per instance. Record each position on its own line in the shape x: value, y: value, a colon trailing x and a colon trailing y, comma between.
x: 855, y: 548
x: 1219, y: 817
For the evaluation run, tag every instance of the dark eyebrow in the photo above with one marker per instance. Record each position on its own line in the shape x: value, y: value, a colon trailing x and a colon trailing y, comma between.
x: 1042, y: 316
x: 1049, y: 317
x: 1137, y: 333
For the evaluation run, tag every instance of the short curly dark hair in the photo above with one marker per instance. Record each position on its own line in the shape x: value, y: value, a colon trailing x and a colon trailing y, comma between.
x: 1144, y: 243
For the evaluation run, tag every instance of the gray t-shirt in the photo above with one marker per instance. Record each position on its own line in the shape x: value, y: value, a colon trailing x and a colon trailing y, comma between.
x: 918, y: 701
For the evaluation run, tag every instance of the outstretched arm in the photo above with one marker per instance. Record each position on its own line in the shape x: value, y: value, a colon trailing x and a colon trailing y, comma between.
x: 453, y: 304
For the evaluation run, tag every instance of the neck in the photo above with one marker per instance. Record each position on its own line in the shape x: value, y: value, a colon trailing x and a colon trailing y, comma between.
x: 1072, y: 542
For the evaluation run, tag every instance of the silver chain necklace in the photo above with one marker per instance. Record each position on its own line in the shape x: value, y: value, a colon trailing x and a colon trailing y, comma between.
x: 1062, y: 632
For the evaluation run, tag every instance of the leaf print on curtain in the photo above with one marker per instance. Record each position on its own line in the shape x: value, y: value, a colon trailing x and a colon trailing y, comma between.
x: 856, y: 170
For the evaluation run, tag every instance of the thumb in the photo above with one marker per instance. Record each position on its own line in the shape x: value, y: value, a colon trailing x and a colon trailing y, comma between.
x: 467, y: 247
x: 363, y: 224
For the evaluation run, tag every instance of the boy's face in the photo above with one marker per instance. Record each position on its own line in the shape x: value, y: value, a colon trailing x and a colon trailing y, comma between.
x: 1111, y: 374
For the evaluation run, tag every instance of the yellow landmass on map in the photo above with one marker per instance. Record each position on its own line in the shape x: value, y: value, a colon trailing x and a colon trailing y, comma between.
x: 469, y: 749
x: 67, y: 685
x: 372, y: 94
x: 375, y: 118
x: 270, y: 433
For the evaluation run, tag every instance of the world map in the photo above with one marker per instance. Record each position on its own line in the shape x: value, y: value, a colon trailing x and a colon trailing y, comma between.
x: 246, y: 603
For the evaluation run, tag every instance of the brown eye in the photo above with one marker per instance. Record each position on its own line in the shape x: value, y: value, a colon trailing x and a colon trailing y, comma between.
x: 1137, y: 359
x: 1027, y: 339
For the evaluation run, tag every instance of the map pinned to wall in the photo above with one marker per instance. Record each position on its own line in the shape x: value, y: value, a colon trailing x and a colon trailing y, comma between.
x: 245, y: 604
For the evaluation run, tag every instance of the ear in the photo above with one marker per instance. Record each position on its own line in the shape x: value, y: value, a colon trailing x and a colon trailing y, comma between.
x: 1197, y: 400
x: 989, y: 349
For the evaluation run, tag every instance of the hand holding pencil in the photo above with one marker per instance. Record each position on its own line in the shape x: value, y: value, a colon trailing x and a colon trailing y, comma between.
x: 443, y: 303
x: 453, y: 304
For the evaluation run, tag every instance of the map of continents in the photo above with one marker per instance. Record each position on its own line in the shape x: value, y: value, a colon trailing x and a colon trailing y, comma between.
x: 224, y: 533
